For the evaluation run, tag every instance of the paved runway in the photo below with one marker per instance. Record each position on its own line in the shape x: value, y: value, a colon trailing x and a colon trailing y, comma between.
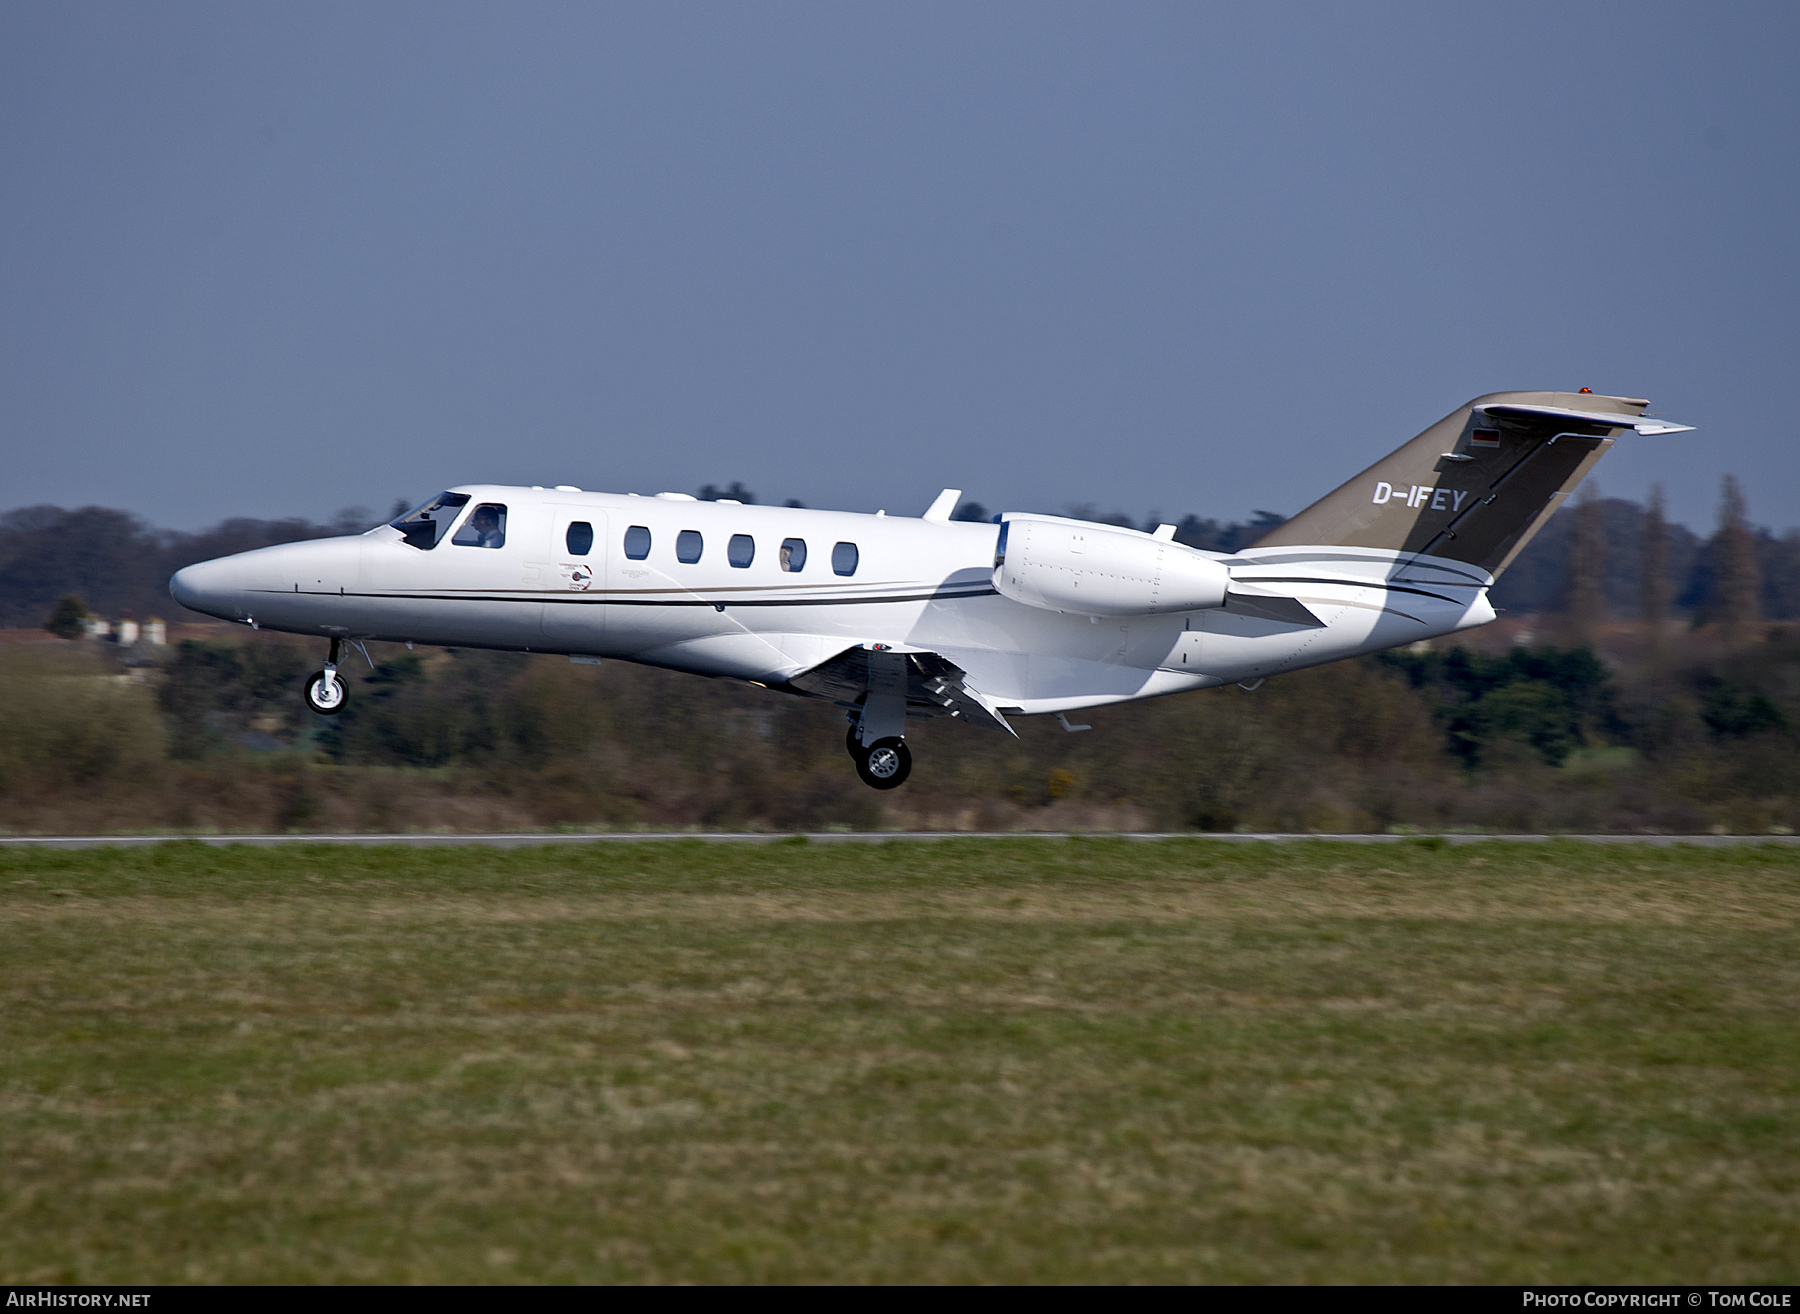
x: 840, y: 837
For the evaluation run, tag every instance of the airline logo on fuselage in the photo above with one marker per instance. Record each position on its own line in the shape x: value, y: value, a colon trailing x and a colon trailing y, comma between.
x: 1438, y: 499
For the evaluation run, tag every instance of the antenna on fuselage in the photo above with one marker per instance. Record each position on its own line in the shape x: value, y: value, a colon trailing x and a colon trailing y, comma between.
x: 941, y: 507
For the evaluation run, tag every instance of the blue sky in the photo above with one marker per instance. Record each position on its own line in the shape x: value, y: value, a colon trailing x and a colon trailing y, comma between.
x: 276, y: 260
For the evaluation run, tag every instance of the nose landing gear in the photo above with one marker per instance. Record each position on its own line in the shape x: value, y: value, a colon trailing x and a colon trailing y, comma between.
x: 884, y: 764
x: 324, y: 692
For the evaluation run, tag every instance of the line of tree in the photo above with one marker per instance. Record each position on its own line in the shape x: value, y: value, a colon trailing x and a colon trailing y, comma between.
x: 1603, y: 557
x: 1523, y: 739
x: 1609, y: 557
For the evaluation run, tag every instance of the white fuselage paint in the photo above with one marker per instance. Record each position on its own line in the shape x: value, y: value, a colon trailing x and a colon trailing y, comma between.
x: 918, y: 584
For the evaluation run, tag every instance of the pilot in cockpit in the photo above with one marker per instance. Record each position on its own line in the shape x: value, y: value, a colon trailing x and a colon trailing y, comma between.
x: 486, y: 524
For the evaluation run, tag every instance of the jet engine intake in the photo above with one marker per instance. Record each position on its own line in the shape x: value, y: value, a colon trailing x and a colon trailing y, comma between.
x: 1097, y: 570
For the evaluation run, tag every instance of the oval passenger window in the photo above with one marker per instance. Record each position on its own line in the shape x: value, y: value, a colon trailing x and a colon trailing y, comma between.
x: 741, y: 551
x: 793, y: 554
x: 688, y: 546
x: 637, y: 542
x: 580, y: 538
x: 844, y: 558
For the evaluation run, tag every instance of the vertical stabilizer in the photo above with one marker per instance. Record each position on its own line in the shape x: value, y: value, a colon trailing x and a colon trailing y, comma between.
x: 1476, y: 485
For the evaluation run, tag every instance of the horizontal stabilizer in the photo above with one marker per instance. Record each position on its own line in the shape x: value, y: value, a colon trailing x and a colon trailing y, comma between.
x: 1643, y: 424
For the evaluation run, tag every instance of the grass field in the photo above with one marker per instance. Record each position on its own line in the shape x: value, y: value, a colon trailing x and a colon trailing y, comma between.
x: 983, y: 1060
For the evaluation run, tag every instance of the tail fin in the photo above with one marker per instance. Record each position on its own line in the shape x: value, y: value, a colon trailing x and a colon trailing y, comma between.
x: 1476, y: 485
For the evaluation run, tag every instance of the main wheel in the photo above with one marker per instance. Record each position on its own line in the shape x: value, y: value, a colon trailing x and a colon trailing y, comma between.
x: 884, y: 764
x: 326, y: 699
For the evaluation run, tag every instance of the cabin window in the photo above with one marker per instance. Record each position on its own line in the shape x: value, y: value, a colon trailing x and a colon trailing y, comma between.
x: 844, y: 558
x: 688, y: 546
x: 741, y: 551
x: 637, y: 542
x: 485, y: 527
x: 424, y: 525
x: 793, y: 554
x: 579, y: 539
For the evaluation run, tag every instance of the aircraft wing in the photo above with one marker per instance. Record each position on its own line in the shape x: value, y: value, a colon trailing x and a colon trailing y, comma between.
x: 935, y: 685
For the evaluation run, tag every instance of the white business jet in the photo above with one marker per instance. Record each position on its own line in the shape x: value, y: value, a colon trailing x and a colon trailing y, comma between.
x: 894, y: 618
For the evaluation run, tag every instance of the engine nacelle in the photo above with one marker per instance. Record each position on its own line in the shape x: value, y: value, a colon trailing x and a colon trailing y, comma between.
x: 1096, y: 570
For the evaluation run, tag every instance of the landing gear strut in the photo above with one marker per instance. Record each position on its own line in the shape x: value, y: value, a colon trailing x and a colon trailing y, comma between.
x: 325, y: 693
x: 884, y: 764
x: 878, y: 725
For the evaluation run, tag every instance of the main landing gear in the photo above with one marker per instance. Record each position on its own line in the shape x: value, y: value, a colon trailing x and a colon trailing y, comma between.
x: 878, y: 724
x: 884, y: 764
x: 325, y: 693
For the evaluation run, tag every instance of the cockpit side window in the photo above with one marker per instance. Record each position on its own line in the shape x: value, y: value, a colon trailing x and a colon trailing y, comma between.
x: 486, y: 527
x: 424, y: 526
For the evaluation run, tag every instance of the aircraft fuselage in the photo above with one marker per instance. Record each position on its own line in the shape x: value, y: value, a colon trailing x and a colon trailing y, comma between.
x: 765, y: 593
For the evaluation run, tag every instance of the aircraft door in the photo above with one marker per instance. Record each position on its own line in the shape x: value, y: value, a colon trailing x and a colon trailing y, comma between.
x: 575, y: 592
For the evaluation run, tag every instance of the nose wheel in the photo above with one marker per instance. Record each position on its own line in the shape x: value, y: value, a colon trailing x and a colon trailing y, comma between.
x: 324, y: 692
x: 884, y: 764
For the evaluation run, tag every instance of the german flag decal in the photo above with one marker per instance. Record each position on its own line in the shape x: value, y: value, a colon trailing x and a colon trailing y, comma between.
x: 1484, y: 438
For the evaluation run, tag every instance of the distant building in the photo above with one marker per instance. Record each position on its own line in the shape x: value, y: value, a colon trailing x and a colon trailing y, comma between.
x: 127, y: 632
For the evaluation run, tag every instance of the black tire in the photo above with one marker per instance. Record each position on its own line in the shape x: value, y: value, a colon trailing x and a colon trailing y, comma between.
x: 884, y: 764
x: 315, y: 684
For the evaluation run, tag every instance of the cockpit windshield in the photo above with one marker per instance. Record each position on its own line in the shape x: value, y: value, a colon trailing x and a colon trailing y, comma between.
x: 425, y: 525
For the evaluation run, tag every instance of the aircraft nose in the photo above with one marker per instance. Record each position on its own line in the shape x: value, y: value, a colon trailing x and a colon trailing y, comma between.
x: 207, y: 586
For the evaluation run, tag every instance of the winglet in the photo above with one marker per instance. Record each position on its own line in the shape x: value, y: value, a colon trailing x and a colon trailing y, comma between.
x: 940, y: 509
